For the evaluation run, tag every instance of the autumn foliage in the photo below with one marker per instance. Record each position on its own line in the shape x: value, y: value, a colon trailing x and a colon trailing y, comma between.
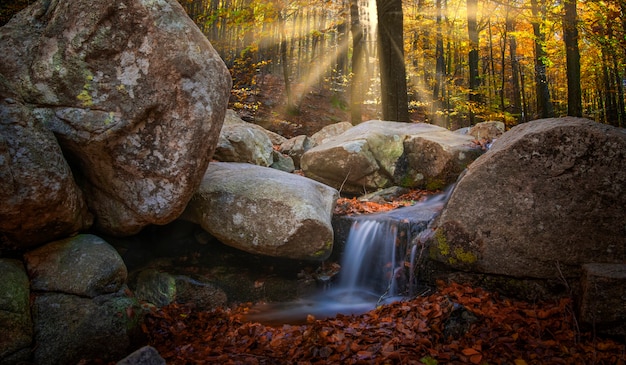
x: 352, y: 206
x: 424, y: 330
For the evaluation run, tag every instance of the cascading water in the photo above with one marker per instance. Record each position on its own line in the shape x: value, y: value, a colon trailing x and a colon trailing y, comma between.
x: 377, y: 266
x: 371, y: 258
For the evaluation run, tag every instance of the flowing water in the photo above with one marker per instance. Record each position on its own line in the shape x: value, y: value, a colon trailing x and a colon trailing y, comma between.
x: 378, y: 266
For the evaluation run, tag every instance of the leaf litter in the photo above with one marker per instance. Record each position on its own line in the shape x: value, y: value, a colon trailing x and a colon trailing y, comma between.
x: 505, y: 331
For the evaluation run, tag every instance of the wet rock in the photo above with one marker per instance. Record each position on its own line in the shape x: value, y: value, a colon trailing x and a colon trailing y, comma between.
x: 265, y: 211
x: 384, y: 195
x: 133, y: 91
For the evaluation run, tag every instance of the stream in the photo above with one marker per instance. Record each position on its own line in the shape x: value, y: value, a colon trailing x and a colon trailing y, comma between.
x: 378, y: 266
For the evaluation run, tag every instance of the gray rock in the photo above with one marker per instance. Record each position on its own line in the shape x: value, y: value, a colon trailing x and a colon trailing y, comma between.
x: 40, y: 200
x: 155, y: 287
x: 282, y: 162
x: 242, y: 143
x: 265, y: 211
x: 547, y: 198
x: 204, y: 296
x: 146, y: 355
x: 69, y: 328
x: 233, y: 118
x: 603, y: 299
x: 379, y: 154
x: 135, y: 94
x: 15, y: 319
x: 384, y: 195
x: 329, y: 131
x: 84, y: 265
x: 295, y: 147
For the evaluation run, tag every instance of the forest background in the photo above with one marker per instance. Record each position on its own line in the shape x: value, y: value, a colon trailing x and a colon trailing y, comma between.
x: 460, y: 61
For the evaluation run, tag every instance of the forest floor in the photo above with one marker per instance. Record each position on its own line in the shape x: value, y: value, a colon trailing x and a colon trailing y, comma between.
x: 317, y: 107
x: 455, y: 324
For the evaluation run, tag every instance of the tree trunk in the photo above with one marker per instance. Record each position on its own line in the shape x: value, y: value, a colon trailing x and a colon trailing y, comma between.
x: 544, y: 105
x: 474, y: 77
x: 572, y: 54
x: 285, y: 63
x: 440, y: 69
x: 439, y: 57
x: 357, y: 90
x: 391, y: 60
x: 515, y: 73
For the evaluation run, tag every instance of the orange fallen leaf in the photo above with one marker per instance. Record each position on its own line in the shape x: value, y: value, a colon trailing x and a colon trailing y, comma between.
x: 469, y: 351
x: 476, y: 359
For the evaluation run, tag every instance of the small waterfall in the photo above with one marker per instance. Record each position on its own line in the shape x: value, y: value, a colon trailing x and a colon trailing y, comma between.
x: 373, y: 260
x: 377, y: 266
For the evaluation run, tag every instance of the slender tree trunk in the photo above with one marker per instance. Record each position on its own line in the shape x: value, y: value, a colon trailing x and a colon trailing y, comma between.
x: 439, y: 57
x: 356, y: 87
x: 518, y: 109
x: 620, y: 94
x: 544, y: 105
x: 395, y: 104
x: 474, y: 77
x: 285, y: 62
x: 440, y: 68
x: 572, y: 54
x: 342, y: 40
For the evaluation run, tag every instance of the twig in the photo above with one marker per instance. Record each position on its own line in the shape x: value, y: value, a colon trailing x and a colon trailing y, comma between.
x: 344, y: 180
x: 571, y: 295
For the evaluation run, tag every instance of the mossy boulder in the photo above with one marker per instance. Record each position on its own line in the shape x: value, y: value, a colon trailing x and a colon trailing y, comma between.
x: 380, y: 154
x: 546, y: 199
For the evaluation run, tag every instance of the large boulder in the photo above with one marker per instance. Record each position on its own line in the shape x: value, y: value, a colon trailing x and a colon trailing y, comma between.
x: 547, y: 198
x: 135, y: 94
x: 15, y: 319
x: 265, y: 211
x: 379, y: 154
x: 40, y: 200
